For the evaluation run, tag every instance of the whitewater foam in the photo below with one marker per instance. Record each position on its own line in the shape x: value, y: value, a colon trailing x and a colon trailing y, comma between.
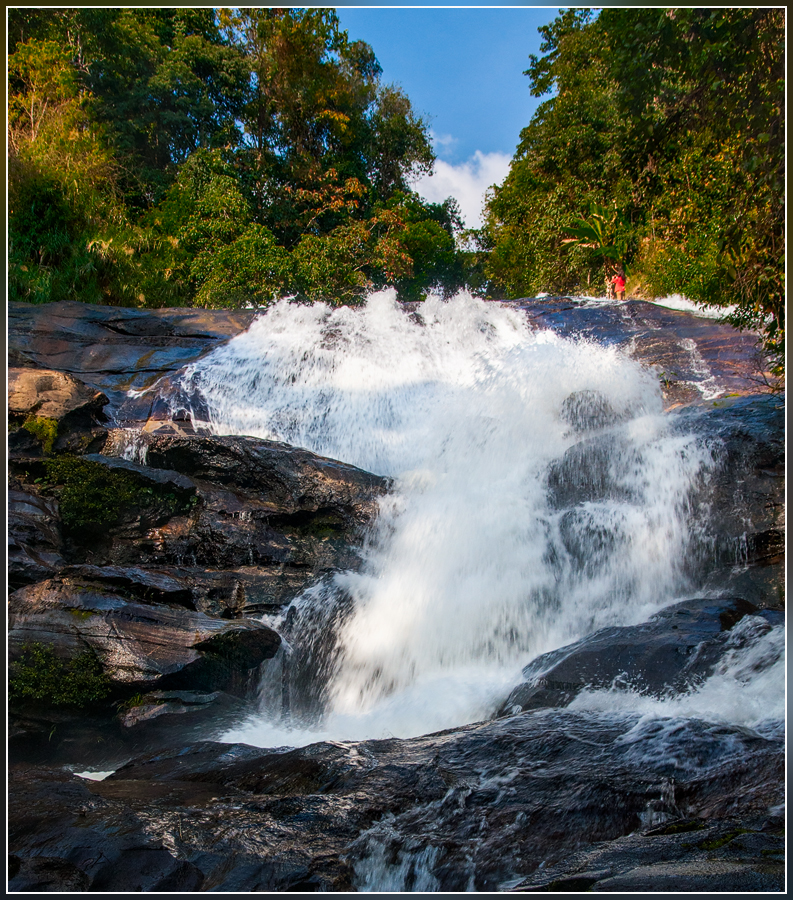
x: 470, y: 571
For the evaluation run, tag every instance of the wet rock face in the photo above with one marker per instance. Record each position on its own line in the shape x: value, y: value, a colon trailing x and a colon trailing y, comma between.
x: 745, y: 490
x: 35, y: 543
x: 261, y: 522
x: 140, y: 644
x: 736, y: 508
x: 476, y: 808
x: 115, y: 349
x: 676, y: 650
x: 740, y: 506
x: 689, y: 353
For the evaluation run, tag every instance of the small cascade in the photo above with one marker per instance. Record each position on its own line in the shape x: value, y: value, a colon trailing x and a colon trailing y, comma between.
x: 127, y: 443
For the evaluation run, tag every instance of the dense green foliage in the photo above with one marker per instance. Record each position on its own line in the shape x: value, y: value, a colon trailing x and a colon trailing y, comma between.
x: 228, y: 157
x: 39, y: 676
x: 164, y: 157
x: 660, y: 148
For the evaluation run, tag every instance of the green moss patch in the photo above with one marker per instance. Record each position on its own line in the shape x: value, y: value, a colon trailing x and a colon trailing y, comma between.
x: 93, y: 497
x: 43, y: 429
x: 725, y: 839
x: 39, y: 676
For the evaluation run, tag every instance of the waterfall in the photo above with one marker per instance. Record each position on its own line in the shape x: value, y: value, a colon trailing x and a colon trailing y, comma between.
x: 539, y: 494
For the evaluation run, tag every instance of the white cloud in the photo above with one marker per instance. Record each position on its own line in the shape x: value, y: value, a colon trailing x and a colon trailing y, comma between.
x: 442, y: 143
x: 466, y: 182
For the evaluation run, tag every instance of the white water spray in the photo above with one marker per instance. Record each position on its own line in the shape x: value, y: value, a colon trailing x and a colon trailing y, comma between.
x: 472, y: 569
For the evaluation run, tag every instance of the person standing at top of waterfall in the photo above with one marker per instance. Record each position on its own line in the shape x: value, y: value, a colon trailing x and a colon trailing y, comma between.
x: 618, y: 281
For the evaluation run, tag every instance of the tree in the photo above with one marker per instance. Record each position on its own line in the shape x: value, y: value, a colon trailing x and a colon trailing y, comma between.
x: 62, y: 184
x: 674, y: 121
x: 215, y: 158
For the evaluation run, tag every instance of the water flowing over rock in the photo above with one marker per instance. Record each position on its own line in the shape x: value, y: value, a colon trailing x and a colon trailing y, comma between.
x: 676, y: 651
x: 541, y: 649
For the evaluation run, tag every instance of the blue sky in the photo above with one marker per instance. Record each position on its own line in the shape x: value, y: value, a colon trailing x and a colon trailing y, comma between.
x: 463, y: 71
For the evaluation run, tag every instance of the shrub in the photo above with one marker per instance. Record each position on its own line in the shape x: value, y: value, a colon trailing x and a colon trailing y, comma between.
x: 39, y: 676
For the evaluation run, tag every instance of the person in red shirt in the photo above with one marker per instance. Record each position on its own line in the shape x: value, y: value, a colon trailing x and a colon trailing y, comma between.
x: 618, y: 281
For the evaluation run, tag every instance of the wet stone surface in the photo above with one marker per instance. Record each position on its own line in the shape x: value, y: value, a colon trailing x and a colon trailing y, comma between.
x: 529, y: 802
x: 215, y: 532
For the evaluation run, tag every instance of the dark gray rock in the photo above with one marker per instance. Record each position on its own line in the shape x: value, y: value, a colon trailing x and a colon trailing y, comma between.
x: 474, y: 808
x: 677, y: 649
x: 222, y: 593
x: 294, y: 481
x: 694, y: 855
x: 35, y: 543
x: 87, y: 841
x: 278, y: 516
x: 588, y: 411
x: 166, y: 703
x: 740, y: 506
x: 745, y: 491
x: 589, y: 472
x: 146, y: 584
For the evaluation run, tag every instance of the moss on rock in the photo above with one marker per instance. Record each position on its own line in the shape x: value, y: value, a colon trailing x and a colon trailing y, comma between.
x: 43, y: 429
x: 93, y: 497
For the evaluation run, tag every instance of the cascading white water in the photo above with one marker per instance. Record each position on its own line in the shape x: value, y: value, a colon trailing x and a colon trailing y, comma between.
x: 471, y: 569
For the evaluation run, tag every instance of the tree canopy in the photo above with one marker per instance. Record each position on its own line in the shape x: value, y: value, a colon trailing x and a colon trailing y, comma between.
x: 214, y: 157
x: 225, y: 157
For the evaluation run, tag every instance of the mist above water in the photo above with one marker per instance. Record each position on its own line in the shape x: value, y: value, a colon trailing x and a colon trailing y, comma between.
x: 472, y: 568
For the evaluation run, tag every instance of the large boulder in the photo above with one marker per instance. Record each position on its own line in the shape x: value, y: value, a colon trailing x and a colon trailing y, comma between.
x: 260, y: 521
x: 53, y: 411
x: 291, y: 480
x: 51, y: 394
x: 142, y: 644
x: 116, y: 853
x: 676, y: 650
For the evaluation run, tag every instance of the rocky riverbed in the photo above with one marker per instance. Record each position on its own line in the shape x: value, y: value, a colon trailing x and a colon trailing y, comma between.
x: 151, y: 560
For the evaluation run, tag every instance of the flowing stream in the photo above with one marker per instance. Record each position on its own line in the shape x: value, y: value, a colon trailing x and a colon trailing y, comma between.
x: 474, y: 566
